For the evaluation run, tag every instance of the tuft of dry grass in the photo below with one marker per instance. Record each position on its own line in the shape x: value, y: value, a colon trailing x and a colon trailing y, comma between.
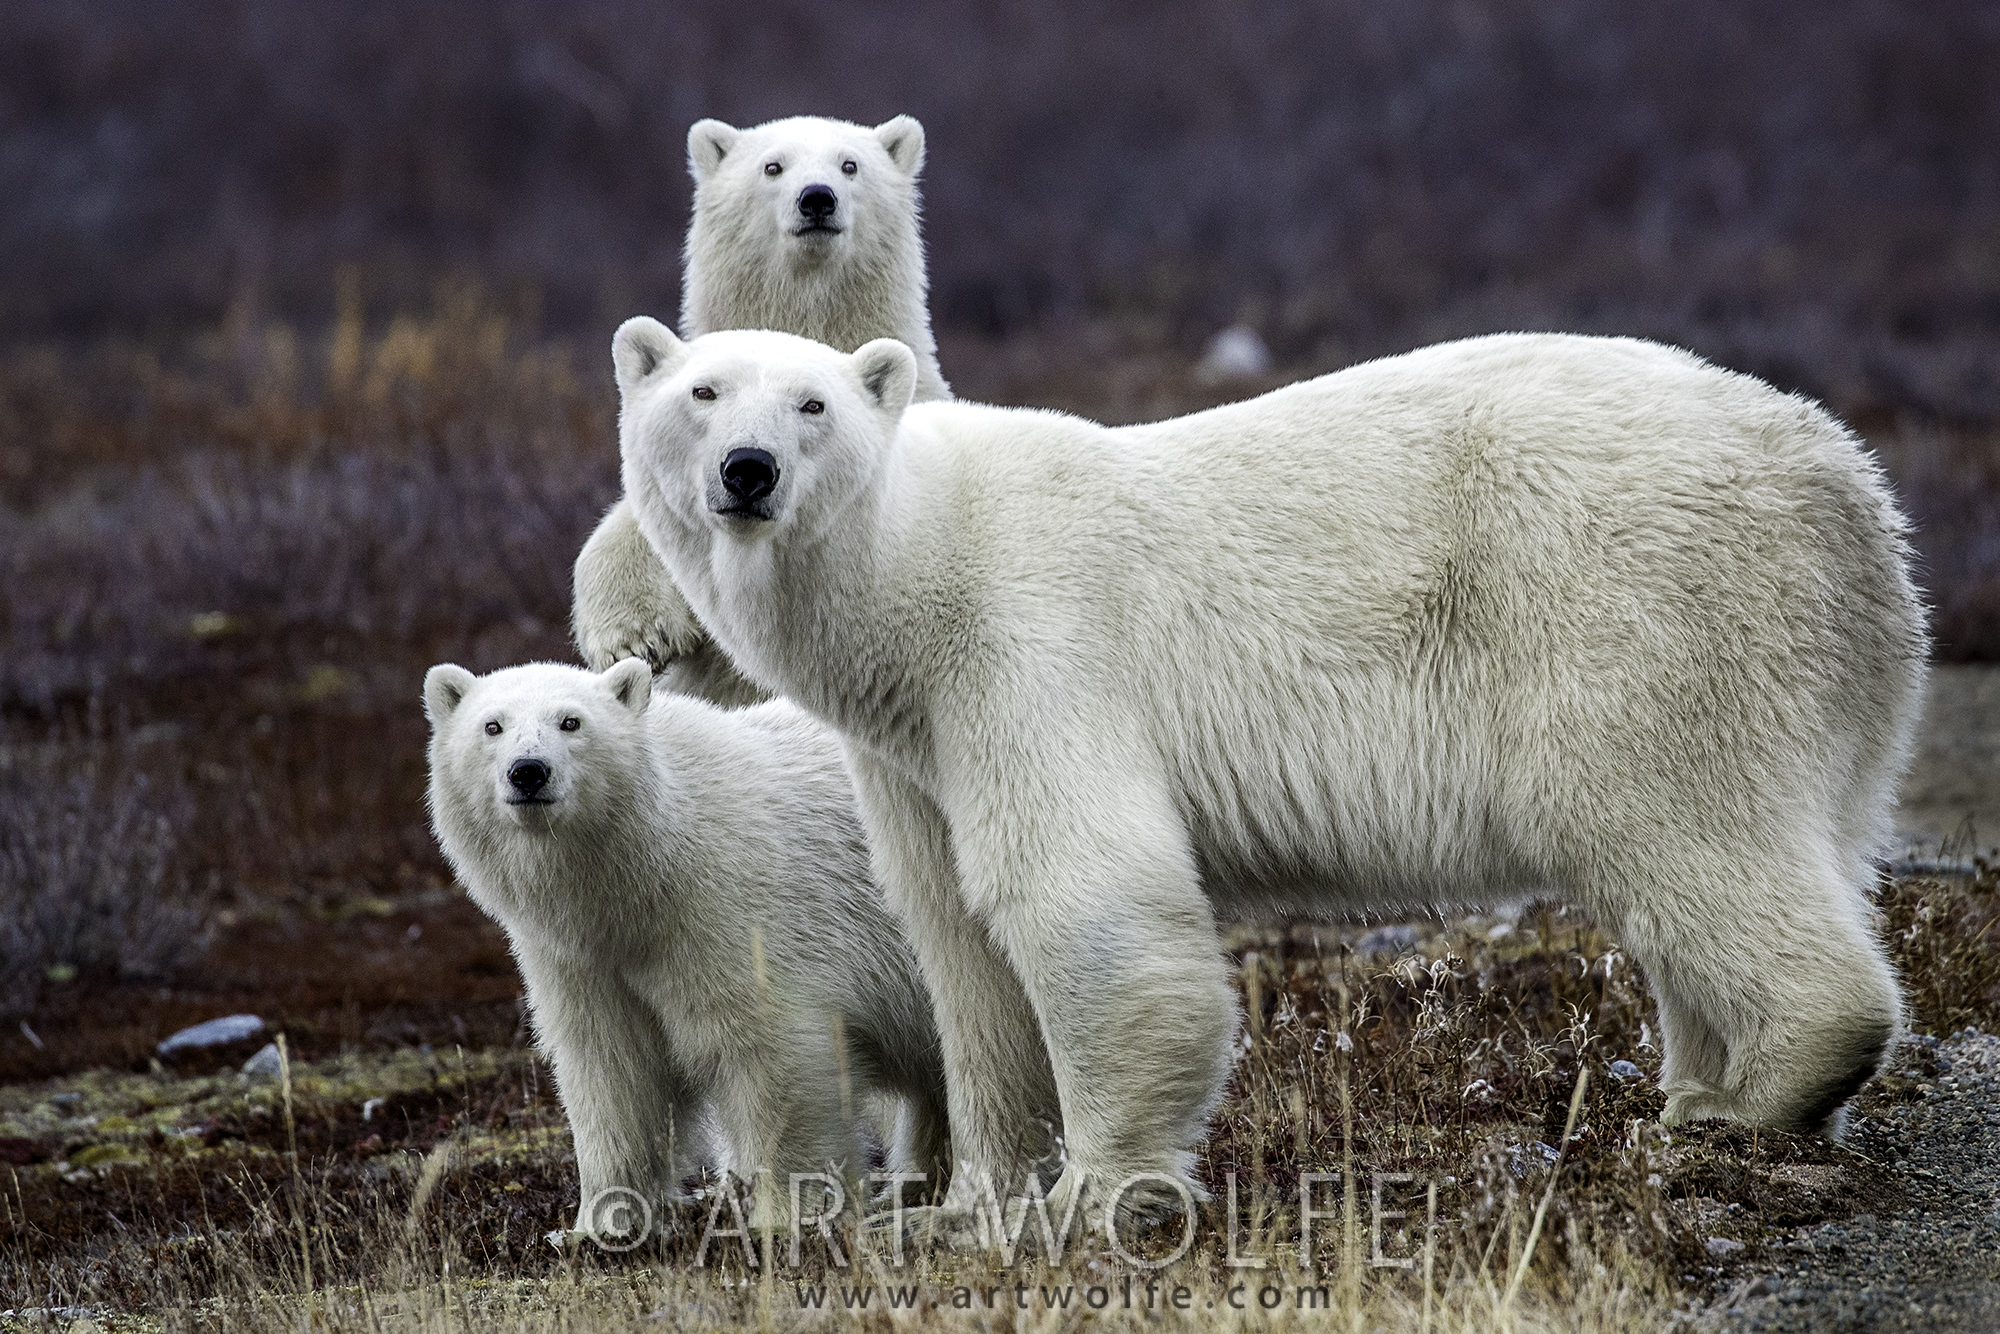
x: 89, y: 881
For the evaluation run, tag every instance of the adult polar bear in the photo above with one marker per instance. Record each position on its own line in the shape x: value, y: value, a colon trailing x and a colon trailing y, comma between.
x: 807, y: 225
x: 1519, y: 613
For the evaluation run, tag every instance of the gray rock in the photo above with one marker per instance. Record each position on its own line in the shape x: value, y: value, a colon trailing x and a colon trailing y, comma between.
x: 1388, y: 940
x: 1236, y: 353
x: 1624, y: 1070
x: 1533, y: 1156
x: 1723, y: 1245
x: 214, y: 1033
x: 265, y: 1064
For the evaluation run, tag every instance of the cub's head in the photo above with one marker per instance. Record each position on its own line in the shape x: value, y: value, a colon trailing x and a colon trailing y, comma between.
x: 811, y: 190
x: 534, y: 747
x: 751, y: 434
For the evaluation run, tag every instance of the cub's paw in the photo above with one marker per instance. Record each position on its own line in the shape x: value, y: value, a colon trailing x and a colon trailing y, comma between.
x: 625, y: 604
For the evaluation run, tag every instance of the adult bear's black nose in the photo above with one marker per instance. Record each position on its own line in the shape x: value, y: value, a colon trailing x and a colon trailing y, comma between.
x: 749, y: 474
x: 816, y: 205
x: 528, y: 776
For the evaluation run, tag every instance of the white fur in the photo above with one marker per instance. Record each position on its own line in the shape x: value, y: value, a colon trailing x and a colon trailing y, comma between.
x: 749, y: 267
x: 1516, y: 614
x: 693, y: 914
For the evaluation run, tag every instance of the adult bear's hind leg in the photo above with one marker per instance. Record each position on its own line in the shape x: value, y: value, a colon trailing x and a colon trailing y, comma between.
x: 1776, y: 1000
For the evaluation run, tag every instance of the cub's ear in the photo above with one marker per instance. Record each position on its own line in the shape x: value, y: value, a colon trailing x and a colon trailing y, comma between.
x: 888, y: 372
x: 642, y: 346
x: 630, y: 681
x: 903, y: 137
x: 709, y: 141
x: 444, y: 686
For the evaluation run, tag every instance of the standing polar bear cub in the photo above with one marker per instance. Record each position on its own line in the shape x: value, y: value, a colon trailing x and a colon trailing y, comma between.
x: 709, y: 964
x: 1516, y: 614
x: 805, y: 225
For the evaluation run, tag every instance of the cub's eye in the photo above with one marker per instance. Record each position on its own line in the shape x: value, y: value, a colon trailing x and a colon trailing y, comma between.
x: 773, y: 168
x: 812, y: 407
x: 570, y: 724
x: 703, y: 392
x: 493, y: 729
x: 848, y: 167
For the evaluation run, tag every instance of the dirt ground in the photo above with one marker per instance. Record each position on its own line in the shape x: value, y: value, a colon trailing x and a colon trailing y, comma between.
x: 1951, y: 801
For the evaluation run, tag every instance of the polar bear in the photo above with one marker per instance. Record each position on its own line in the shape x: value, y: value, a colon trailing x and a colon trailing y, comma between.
x: 806, y: 225
x: 1519, y: 614
x: 710, y: 966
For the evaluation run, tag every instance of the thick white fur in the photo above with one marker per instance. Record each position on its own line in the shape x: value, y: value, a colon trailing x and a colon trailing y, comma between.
x: 749, y: 268
x: 710, y: 966
x: 1517, y: 614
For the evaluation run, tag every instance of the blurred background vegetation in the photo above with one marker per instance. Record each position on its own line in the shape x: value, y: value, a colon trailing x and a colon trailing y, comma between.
x: 303, y: 383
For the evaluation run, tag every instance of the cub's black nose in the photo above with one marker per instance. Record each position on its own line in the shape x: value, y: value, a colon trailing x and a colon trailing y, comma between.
x: 528, y: 776
x: 816, y: 205
x: 749, y: 474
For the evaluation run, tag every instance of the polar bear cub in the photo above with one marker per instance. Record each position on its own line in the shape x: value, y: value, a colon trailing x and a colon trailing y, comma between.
x: 1517, y: 614
x: 807, y: 225
x: 687, y: 892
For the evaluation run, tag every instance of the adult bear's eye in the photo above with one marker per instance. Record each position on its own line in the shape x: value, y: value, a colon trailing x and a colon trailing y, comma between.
x: 772, y: 168
x: 703, y: 392
x: 848, y: 167
x: 570, y: 724
x: 812, y: 406
x: 493, y: 729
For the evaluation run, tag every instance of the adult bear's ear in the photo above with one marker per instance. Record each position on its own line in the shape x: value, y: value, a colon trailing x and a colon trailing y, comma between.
x: 444, y: 686
x: 641, y: 347
x: 709, y: 141
x: 630, y: 681
x: 888, y: 372
x: 903, y: 137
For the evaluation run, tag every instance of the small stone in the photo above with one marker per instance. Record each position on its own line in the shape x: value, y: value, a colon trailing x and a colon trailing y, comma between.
x: 265, y: 1064
x: 1624, y: 1070
x: 1721, y: 1246
x: 1534, y: 1155
x: 214, y: 1033
x: 1388, y: 940
x: 1237, y: 353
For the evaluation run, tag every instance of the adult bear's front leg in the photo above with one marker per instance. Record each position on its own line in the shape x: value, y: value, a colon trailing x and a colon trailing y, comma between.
x: 999, y: 1088
x: 1089, y: 884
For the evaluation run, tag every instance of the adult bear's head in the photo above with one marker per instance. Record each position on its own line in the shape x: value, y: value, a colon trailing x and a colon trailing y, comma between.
x: 753, y: 435
x: 808, y: 191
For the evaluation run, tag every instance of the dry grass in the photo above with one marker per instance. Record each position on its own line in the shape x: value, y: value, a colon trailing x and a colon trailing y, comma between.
x: 412, y: 1190
x: 198, y: 1201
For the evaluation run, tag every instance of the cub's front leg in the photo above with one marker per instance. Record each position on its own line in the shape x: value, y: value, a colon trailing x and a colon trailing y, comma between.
x: 634, y: 1117
x: 626, y: 606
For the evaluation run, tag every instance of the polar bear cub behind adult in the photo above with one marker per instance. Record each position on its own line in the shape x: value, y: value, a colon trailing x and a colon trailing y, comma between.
x: 1516, y: 614
x: 807, y: 225
x: 687, y: 893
